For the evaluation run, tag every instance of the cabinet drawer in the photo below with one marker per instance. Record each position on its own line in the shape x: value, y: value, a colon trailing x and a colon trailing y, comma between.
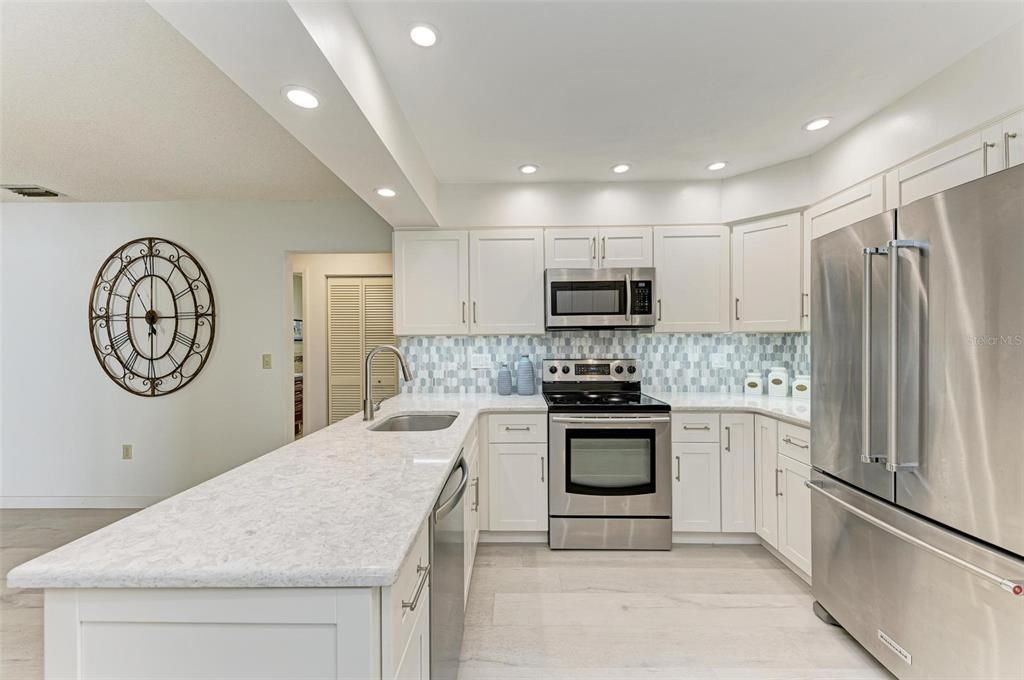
x: 403, y: 619
x: 697, y: 428
x: 518, y: 427
x: 795, y: 442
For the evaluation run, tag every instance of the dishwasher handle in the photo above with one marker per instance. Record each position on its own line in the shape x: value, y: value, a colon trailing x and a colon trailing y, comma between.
x: 444, y: 508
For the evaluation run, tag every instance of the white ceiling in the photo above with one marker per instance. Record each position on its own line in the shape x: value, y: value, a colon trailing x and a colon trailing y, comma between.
x: 107, y: 102
x: 667, y: 86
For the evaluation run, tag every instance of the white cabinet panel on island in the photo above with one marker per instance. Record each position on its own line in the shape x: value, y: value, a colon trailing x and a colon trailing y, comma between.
x: 431, y: 282
x: 506, y: 281
x: 766, y: 275
x: 692, y: 265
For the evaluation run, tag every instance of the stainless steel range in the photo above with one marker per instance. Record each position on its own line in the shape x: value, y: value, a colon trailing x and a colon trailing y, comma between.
x: 610, y: 457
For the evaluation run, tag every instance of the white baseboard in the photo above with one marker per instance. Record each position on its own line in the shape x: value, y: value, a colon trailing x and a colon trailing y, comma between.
x: 713, y: 538
x: 513, y: 537
x: 90, y: 502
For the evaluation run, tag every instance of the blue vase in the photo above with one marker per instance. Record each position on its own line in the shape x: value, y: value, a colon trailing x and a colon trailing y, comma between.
x: 525, y: 377
x: 504, y: 380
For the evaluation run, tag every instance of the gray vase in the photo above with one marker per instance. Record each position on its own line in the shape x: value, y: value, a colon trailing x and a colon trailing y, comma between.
x: 504, y: 380
x: 525, y: 377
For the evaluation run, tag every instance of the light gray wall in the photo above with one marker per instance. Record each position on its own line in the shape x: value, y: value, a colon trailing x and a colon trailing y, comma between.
x: 64, y: 421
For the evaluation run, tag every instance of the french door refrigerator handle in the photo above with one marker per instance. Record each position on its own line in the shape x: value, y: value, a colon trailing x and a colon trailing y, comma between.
x: 865, y: 378
x: 892, y: 463
x: 1009, y: 585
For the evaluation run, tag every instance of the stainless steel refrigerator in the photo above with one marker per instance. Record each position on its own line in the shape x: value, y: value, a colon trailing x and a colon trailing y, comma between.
x: 917, y: 428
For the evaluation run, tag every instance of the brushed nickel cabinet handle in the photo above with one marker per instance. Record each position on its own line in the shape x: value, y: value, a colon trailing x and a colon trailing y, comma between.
x: 737, y: 309
x: 593, y: 248
x: 678, y: 476
x: 778, y: 471
x: 697, y: 427
x: 474, y: 311
x: 805, y: 302
x: 791, y: 442
x: 1007, y: 136
x: 476, y: 495
x: 542, y: 468
x: 604, y: 247
x: 659, y: 309
x: 728, y: 438
x: 985, y: 146
x: 509, y: 428
x: 463, y: 311
x: 424, y: 572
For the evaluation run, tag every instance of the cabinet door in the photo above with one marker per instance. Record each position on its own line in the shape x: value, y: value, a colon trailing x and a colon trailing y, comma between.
x: 948, y: 166
x: 696, y: 487
x: 626, y: 247
x: 795, y: 513
x: 415, y: 663
x: 506, y: 268
x: 737, y: 472
x: 857, y: 203
x: 766, y: 514
x: 471, y: 517
x: 766, y: 275
x: 570, y: 248
x: 518, y: 487
x: 431, y: 282
x: 805, y: 276
x: 1011, y: 140
x: 692, y: 265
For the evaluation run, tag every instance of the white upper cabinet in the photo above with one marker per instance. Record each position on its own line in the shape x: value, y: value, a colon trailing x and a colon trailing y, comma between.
x: 692, y: 279
x: 626, y: 247
x: 1012, y: 139
x: 805, y: 277
x: 851, y: 205
x: 570, y: 248
x: 506, y: 281
x: 431, y: 282
x: 592, y: 248
x: 766, y: 270
x: 948, y: 166
x: 737, y: 471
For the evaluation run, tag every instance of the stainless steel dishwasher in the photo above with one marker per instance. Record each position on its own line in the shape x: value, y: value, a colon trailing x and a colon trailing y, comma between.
x: 447, y: 559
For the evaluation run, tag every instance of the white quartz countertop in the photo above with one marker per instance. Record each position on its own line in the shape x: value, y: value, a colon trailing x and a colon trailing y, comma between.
x: 788, y: 409
x: 340, y: 507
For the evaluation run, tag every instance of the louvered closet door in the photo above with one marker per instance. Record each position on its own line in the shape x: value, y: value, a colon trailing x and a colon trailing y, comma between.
x: 379, y: 329
x: 359, y: 317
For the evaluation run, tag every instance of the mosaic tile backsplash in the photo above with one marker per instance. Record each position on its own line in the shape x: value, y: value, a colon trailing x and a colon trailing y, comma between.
x: 668, y: 363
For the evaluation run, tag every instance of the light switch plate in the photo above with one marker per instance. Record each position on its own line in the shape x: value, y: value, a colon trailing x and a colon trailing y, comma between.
x: 267, y: 361
x: 126, y: 452
x: 480, y: 361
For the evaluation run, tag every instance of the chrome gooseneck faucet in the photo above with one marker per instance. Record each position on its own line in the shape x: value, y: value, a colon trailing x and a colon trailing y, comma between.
x: 368, y: 405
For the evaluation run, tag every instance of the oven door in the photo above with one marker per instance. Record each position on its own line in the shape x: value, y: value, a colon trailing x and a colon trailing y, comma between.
x: 610, y: 466
x: 599, y: 298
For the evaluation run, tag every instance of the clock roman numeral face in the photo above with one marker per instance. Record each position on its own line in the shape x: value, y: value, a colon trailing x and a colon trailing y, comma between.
x: 152, y: 317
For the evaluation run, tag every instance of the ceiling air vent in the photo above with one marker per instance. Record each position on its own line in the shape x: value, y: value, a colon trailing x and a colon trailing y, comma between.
x: 30, y: 190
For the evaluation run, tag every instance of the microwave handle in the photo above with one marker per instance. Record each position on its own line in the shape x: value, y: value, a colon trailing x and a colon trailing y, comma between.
x: 629, y: 297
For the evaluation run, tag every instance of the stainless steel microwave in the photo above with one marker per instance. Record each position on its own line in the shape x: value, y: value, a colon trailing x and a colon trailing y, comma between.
x: 599, y: 298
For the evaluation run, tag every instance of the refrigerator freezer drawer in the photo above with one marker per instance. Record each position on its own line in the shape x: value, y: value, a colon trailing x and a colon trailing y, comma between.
x: 926, y: 602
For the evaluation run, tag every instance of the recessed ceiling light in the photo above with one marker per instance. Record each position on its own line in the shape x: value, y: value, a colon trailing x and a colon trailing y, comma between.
x: 423, y: 35
x: 717, y: 165
x: 620, y: 168
x: 387, y: 192
x: 817, y: 124
x: 301, y: 97
x: 528, y: 169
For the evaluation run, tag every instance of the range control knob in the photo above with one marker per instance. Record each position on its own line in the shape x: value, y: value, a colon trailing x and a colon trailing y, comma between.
x: 631, y: 369
x: 565, y: 369
x: 553, y: 369
x: 618, y: 369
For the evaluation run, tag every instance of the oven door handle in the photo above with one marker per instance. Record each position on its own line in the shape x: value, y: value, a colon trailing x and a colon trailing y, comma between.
x: 599, y: 420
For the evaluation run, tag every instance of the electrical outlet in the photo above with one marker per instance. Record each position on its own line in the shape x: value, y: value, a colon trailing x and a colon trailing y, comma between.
x: 480, y: 361
x: 126, y: 451
x: 718, y: 360
x: 267, y: 362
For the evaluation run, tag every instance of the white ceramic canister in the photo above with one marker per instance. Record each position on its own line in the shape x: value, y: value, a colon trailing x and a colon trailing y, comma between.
x: 778, y: 382
x: 802, y: 387
x: 753, y: 383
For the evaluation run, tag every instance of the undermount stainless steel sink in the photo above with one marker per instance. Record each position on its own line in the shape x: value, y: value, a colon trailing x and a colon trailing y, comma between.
x: 416, y: 422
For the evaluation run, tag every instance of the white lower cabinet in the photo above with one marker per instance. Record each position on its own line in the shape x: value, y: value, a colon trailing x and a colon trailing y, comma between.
x: 518, y: 487
x: 737, y: 472
x: 696, y: 487
x: 415, y: 663
x: 795, y: 512
x: 471, y: 513
x: 783, y: 502
x: 766, y: 515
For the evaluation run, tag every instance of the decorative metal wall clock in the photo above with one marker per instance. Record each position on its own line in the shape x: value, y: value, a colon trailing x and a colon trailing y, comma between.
x: 151, y: 317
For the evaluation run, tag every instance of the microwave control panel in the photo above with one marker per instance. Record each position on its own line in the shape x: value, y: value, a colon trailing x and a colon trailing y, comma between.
x: 641, y: 297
